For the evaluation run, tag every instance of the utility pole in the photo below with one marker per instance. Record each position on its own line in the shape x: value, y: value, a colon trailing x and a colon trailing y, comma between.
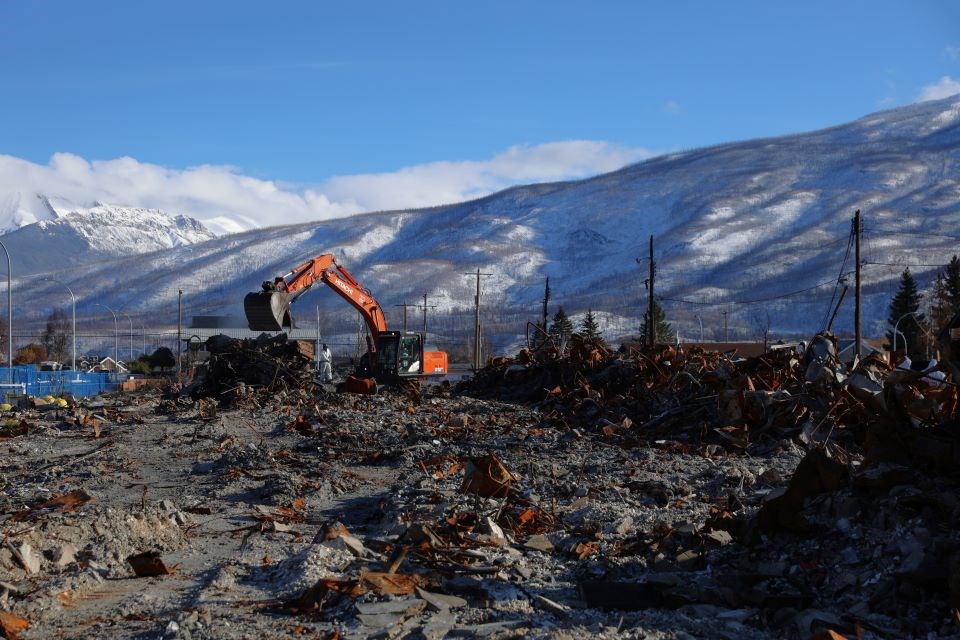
x: 425, y: 307
x: 477, y: 360
x: 726, y: 336
x: 651, y: 322
x: 546, y: 301
x: 316, y: 352
x: 858, y: 336
x: 405, y: 305
x: 9, y: 313
x: 650, y: 335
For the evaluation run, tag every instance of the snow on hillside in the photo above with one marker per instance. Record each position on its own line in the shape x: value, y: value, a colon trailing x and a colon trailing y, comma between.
x: 740, y: 227
x: 75, y: 235
x: 114, y: 230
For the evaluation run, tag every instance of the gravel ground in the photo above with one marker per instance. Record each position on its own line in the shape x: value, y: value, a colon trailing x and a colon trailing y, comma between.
x: 243, y: 506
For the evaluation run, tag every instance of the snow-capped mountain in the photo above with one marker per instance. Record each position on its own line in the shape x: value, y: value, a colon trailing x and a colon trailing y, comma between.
x: 75, y: 235
x: 758, y: 229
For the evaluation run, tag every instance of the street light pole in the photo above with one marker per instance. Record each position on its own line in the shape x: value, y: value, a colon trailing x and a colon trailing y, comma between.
x: 700, y: 320
x: 9, y: 308
x: 895, y: 332
x: 124, y: 313
x: 179, y: 323
x: 143, y: 338
x: 116, y: 335
x: 73, y: 299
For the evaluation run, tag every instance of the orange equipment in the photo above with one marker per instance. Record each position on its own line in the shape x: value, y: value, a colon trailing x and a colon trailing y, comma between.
x: 391, y: 356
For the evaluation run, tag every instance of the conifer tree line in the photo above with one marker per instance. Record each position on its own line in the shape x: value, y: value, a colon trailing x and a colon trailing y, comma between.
x: 561, y: 327
x: 916, y: 332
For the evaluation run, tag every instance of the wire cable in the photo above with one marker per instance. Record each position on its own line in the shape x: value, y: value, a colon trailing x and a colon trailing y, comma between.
x: 833, y: 296
x: 782, y: 296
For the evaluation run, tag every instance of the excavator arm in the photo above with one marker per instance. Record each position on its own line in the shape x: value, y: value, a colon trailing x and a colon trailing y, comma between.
x: 395, y: 355
x: 269, y: 310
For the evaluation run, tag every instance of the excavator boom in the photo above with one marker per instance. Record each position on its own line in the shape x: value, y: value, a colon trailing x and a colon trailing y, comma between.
x: 269, y: 309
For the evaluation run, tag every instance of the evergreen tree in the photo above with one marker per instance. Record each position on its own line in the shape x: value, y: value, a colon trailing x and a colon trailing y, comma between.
x: 941, y: 309
x: 907, y: 301
x: 561, y: 326
x: 589, y: 327
x: 663, y: 332
x: 952, y: 282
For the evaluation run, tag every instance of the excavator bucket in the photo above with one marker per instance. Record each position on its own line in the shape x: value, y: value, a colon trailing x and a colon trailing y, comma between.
x: 268, y: 311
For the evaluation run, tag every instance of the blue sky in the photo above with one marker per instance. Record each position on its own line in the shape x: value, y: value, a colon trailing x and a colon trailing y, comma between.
x: 312, y: 96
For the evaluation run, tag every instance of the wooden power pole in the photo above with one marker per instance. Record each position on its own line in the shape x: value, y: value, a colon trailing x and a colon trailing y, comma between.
x: 546, y: 302
x: 651, y: 322
x: 858, y: 336
x: 405, y: 306
x: 477, y: 358
x: 425, y: 307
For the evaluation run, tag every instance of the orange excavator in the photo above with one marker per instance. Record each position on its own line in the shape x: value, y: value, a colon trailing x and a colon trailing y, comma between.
x: 392, y: 356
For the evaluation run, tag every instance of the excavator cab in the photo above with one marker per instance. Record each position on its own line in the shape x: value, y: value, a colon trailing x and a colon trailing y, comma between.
x: 268, y: 310
x: 399, y: 355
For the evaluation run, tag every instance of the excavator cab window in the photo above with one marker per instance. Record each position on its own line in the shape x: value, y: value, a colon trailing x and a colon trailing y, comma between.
x: 387, y: 354
x: 410, y: 355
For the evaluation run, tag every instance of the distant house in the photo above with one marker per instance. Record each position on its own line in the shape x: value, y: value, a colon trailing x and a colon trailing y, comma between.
x: 108, y: 364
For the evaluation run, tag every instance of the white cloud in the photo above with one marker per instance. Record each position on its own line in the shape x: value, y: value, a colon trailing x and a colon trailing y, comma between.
x: 673, y: 107
x: 953, y: 51
x: 944, y: 87
x: 229, y: 201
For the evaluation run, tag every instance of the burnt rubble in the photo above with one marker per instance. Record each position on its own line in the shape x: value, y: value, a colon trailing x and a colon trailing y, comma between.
x: 647, y: 492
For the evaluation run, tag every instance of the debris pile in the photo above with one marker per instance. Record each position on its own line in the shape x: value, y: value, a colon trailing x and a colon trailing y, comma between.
x: 659, y: 493
x: 238, y: 368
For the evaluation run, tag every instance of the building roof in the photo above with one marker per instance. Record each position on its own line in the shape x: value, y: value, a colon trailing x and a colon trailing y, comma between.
x: 109, y: 362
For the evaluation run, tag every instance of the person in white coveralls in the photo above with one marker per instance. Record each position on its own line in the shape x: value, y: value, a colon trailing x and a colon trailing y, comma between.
x: 326, y: 370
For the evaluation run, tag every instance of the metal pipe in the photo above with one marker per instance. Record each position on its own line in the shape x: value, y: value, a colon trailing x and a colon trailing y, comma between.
x: 74, y: 305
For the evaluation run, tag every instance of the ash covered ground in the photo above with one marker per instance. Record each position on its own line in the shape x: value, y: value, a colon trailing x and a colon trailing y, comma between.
x: 649, y: 494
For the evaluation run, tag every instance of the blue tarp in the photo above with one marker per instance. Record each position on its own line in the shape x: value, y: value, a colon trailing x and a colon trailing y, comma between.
x: 26, y: 379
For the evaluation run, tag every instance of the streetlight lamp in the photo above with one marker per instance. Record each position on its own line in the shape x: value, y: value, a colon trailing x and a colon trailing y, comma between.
x: 116, y: 334
x: 896, y: 331
x: 124, y: 313
x: 74, y: 309
x: 9, y: 310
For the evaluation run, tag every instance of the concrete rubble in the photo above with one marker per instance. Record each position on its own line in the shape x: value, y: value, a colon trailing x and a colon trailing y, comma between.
x: 639, y: 493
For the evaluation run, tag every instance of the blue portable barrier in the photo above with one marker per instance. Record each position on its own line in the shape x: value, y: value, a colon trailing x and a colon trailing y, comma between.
x: 27, y: 380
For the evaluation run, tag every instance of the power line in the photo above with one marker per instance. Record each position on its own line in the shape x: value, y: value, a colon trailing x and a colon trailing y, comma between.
x: 843, y: 266
x: 789, y: 294
x: 922, y: 234
x: 901, y: 264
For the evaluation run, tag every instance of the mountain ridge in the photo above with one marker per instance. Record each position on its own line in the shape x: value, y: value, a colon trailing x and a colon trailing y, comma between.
x: 733, y: 222
x: 85, y: 235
